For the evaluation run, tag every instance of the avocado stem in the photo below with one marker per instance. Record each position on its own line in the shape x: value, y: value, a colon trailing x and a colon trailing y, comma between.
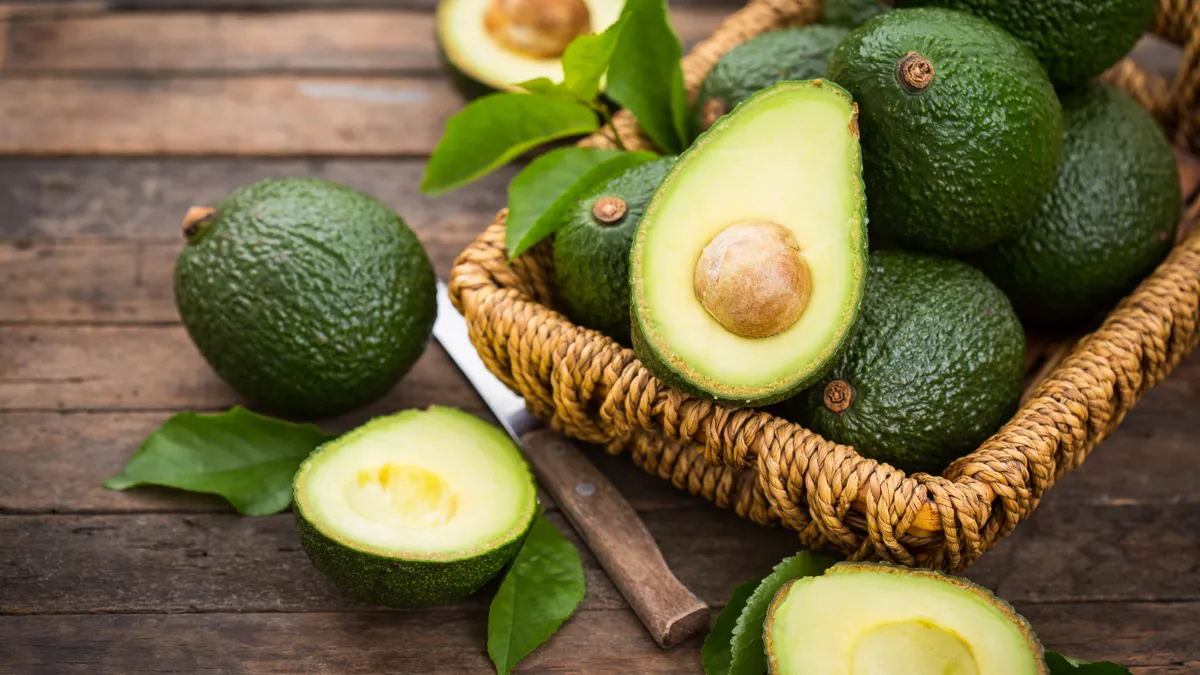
x: 838, y: 396
x: 914, y: 72
x: 196, y: 221
x: 609, y: 210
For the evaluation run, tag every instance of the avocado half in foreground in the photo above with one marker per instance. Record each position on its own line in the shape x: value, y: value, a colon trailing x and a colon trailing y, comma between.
x: 892, y: 620
x: 749, y: 264
x: 415, y: 509
x: 490, y: 45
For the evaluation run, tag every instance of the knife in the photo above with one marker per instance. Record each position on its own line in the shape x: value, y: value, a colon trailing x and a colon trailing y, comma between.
x: 604, y: 520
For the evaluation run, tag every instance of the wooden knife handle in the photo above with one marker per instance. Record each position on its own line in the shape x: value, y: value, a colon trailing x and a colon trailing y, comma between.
x: 617, y: 537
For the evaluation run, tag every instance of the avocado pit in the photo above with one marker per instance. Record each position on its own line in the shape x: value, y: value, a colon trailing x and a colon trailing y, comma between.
x: 538, y: 28
x: 753, y: 280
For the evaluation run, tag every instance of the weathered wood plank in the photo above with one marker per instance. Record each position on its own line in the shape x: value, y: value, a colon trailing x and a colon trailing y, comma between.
x: 329, y: 42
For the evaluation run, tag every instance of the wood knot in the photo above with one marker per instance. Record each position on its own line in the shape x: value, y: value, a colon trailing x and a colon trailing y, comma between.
x: 713, y: 110
x: 838, y: 396
x: 609, y: 210
x: 914, y: 72
x: 197, y: 220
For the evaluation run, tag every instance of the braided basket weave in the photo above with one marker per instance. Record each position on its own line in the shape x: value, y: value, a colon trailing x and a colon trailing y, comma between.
x: 776, y: 472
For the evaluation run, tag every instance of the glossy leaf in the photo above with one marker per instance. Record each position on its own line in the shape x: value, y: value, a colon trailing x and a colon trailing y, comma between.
x: 587, y: 58
x: 493, y: 130
x: 540, y: 591
x: 716, y: 655
x: 538, y: 185
x: 748, y: 653
x: 543, y: 86
x: 645, y: 76
x: 1065, y: 665
x: 247, y: 458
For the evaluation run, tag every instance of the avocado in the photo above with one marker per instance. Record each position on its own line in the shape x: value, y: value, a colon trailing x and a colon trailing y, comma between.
x: 591, y: 250
x: 896, y: 620
x: 850, y: 13
x: 789, y: 54
x: 418, y: 508
x: 961, y: 129
x: 309, y: 298
x: 492, y: 45
x: 934, y: 368
x: 1108, y: 221
x: 749, y: 264
x: 1074, y: 39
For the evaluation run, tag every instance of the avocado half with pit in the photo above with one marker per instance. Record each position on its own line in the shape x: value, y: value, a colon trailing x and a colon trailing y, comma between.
x: 490, y: 45
x: 415, y: 509
x: 749, y: 264
x: 876, y: 619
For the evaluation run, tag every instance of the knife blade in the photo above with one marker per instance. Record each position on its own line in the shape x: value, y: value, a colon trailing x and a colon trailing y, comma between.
x: 598, y: 512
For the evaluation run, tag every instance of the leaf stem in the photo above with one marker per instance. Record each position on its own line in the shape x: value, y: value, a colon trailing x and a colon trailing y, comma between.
x: 608, y: 122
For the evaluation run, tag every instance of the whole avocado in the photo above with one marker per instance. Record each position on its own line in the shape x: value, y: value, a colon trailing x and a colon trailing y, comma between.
x: 1108, y: 221
x: 850, y: 13
x: 309, y: 298
x: 1074, y: 39
x: 933, y: 369
x: 591, y: 251
x: 961, y: 129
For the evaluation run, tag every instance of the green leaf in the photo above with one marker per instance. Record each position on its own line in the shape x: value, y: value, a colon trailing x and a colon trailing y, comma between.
x: 246, y: 458
x: 645, y: 76
x: 552, y: 216
x: 746, y: 646
x: 543, y: 86
x: 533, y: 190
x: 586, y: 59
x: 541, y: 590
x: 716, y: 655
x: 1065, y: 665
x: 493, y: 130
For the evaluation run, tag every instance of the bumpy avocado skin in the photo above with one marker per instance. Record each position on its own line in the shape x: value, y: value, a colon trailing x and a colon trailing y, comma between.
x: 1108, y: 221
x: 1074, y: 39
x: 309, y: 298
x: 789, y: 54
x: 850, y: 13
x: 591, y: 259
x: 961, y: 164
x: 936, y: 364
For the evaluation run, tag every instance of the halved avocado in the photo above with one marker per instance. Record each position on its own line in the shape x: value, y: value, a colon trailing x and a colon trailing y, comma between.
x: 749, y: 264
x: 491, y: 45
x: 876, y: 619
x: 415, y: 509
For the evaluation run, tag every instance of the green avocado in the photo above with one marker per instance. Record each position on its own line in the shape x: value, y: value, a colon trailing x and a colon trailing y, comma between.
x: 898, y: 621
x: 934, y: 367
x: 419, y: 508
x: 961, y: 129
x: 1074, y: 39
x: 789, y: 54
x: 309, y: 298
x: 1107, y: 223
x: 591, y: 251
x: 749, y: 264
x: 850, y: 13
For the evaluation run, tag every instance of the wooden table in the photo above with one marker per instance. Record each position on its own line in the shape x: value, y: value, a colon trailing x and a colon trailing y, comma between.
x: 114, y: 120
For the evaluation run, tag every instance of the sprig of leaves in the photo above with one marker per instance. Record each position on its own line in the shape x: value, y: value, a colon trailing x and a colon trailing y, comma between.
x: 645, y: 75
x: 1065, y: 665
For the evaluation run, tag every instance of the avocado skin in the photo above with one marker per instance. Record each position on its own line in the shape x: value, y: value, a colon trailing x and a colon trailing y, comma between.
x: 936, y: 364
x: 1074, y: 39
x: 850, y: 13
x: 591, y: 260
x: 962, y: 164
x: 1107, y: 223
x: 789, y: 54
x: 309, y: 298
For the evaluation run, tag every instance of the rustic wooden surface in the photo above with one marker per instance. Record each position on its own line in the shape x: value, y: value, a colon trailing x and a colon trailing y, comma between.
x: 114, y: 118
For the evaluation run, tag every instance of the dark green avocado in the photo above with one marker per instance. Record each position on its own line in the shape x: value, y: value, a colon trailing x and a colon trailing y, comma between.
x: 961, y: 128
x: 309, y: 298
x: 591, y: 251
x: 850, y: 13
x: 1109, y: 220
x: 933, y: 369
x: 789, y: 54
x: 1074, y: 39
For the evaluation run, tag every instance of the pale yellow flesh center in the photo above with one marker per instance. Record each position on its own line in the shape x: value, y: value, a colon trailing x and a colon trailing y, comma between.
x: 911, y: 648
x: 402, y: 495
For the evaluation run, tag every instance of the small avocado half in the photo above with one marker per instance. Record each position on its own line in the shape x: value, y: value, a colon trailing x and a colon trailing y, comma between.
x: 749, y: 264
x: 861, y: 618
x: 492, y: 45
x: 419, y: 508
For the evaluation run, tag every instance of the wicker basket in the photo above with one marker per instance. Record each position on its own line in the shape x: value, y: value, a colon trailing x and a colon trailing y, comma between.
x: 776, y: 472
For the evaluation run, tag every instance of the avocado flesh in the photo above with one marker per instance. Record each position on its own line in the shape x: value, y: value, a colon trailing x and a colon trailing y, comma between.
x: 789, y: 54
x: 1108, y: 221
x: 417, y: 508
x: 896, y: 621
x: 789, y: 156
x: 591, y: 258
x: 1075, y: 40
x: 479, y: 64
x: 962, y: 162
